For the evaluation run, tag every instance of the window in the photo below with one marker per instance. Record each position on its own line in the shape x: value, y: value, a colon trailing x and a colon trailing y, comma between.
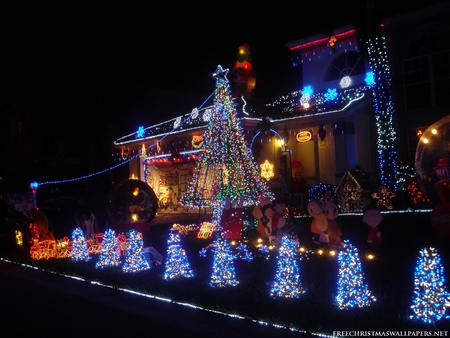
x: 349, y: 63
x: 426, y: 67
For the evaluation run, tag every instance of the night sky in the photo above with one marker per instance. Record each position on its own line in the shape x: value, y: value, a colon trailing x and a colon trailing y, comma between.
x: 87, y: 69
x: 100, y: 61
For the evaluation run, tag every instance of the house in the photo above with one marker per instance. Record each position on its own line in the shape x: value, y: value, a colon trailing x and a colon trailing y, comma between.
x: 366, y: 94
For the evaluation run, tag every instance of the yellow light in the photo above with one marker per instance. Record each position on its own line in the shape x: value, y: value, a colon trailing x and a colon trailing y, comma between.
x: 332, y: 253
x: 260, y: 240
x: 280, y: 142
x: 136, y: 191
x: 267, y: 170
x: 425, y: 140
x: 370, y: 256
x: 233, y: 243
x: 302, y: 249
x: 133, y: 177
x: 434, y: 131
x: 134, y: 217
x: 320, y: 251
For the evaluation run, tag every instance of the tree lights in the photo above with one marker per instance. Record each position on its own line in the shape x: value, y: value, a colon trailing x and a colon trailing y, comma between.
x: 79, y: 246
x: 352, y: 292
x: 287, y: 282
x: 135, y: 260
x: 223, y: 271
x: 431, y: 300
x: 109, y: 255
x: 225, y: 167
x: 177, y: 264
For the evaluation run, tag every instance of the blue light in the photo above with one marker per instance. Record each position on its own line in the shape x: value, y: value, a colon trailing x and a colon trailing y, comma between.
x: 331, y: 94
x: 308, y: 91
x: 370, y: 80
x: 140, y: 132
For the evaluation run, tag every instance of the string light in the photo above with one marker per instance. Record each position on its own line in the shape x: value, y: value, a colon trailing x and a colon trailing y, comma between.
x: 287, y: 282
x: 176, y: 264
x: 79, y: 247
x: 223, y: 270
x: 431, y: 300
x: 109, y: 255
x: 352, y: 292
x: 135, y: 259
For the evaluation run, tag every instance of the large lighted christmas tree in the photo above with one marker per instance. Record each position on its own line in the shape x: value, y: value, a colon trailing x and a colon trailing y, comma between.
x: 109, y: 255
x: 177, y: 264
x: 352, y: 291
x: 79, y: 246
x: 431, y: 300
x: 225, y: 167
x: 135, y: 259
x: 223, y: 270
x: 287, y: 282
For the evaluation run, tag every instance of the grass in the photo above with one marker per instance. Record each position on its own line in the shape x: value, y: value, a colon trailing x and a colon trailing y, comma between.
x: 389, y: 277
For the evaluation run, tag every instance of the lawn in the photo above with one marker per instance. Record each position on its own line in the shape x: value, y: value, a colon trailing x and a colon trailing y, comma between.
x: 390, y: 276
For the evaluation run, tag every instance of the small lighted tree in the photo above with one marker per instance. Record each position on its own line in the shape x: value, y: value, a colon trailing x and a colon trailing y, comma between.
x: 352, y: 291
x: 177, y: 264
x: 223, y: 270
x: 430, y: 300
x: 109, y: 255
x: 135, y: 260
x: 287, y: 282
x: 79, y: 246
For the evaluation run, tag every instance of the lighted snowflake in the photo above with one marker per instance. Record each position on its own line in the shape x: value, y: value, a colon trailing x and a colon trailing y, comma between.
x: 345, y: 82
x: 140, y: 132
x: 194, y: 113
x: 305, y: 99
x: 177, y: 122
x: 370, y: 79
x: 331, y: 94
x: 267, y: 170
x: 207, y: 115
x: 307, y: 91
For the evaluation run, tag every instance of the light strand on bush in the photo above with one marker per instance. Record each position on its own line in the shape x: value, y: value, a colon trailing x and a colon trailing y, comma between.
x: 223, y: 270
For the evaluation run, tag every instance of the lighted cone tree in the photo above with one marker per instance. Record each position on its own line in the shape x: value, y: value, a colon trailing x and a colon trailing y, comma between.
x: 431, y: 300
x: 287, y: 282
x: 134, y: 257
x: 225, y: 167
x: 79, y: 246
x: 177, y: 264
x: 352, y: 291
x: 109, y: 255
x: 223, y: 271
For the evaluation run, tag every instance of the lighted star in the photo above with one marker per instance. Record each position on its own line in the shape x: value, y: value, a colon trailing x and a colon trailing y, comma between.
x: 220, y: 74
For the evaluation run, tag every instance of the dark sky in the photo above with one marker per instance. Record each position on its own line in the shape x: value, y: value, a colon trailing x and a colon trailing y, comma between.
x: 95, y: 62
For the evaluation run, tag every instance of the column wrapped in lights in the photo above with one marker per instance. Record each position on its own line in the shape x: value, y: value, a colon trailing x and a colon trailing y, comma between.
x: 225, y: 167
x: 384, y: 110
x: 431, y: 300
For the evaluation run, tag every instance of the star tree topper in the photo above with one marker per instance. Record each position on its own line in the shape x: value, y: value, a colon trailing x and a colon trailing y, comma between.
x: 220, y: 74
